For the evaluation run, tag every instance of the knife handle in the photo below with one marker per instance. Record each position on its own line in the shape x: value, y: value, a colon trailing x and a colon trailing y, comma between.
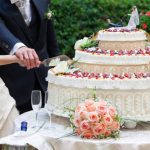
x: 42, y: 62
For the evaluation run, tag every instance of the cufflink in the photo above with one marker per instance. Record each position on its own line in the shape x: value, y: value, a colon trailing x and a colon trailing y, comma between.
x: 5, y: 45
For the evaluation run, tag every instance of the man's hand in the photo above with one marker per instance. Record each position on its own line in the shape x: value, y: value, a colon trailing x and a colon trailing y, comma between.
x: 28, y: 57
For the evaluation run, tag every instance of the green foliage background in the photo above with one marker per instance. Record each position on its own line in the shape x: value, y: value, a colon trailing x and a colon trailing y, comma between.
x: 75, y: 19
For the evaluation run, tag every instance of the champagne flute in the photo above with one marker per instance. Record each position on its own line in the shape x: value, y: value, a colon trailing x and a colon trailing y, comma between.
x: 36, y: 100
x: 49, y: 109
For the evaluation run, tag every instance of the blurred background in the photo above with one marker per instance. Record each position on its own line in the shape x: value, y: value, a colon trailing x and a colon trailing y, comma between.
x: 75, y: 19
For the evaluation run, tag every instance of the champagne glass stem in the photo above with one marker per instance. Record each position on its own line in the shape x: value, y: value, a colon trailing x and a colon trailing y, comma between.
x: 37, y: 120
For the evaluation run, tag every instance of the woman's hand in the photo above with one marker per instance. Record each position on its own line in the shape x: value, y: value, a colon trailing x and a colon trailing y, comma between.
x: 9, y: 59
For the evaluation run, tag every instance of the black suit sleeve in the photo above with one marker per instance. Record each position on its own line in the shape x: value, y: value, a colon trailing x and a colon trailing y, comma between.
x: 7, y: 39
x: 52, y: 44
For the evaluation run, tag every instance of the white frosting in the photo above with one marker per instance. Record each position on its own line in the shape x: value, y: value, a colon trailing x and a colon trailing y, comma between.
x: 99, y: 83
x: 119, y: 36
x: 132, y: 96
x: 135, y: 104
x: 104, y: 59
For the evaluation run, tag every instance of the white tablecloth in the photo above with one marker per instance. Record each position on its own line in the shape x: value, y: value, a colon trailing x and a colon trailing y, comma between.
x: 137, y: 139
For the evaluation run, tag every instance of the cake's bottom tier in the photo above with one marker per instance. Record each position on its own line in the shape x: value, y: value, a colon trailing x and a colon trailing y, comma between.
x: 134, y: 104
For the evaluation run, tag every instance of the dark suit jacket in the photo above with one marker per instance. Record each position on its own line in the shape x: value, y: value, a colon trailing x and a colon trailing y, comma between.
x: 13, y: 29
x: 120, y: 24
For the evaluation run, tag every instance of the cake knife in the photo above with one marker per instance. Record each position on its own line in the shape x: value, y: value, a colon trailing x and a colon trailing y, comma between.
x: 46, y: 62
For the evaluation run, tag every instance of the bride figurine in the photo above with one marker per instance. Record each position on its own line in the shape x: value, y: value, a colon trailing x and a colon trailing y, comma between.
x: 134, y: 19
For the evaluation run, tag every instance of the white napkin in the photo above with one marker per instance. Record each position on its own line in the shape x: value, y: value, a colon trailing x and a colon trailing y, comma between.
x: 22, y: 138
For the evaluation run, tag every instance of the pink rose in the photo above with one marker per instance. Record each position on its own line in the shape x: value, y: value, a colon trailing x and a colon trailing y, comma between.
x: 102, y: 102
x: 78, y: 109
x: 88, y: 134
x: 93, y: 116
x: 90, y: 106
x: 107, y: 119
x: 83, y: 113
x: 77, y: 122
x: 115, y: 125
x: 99, y: 128
x: 74, y: 116
x: 101, y: 110
x: 79, y: 132
x: 112, y: 112
x: 107, y: 132
x: 81, y: 104
x: 85, y: 125
x: 88, y: 100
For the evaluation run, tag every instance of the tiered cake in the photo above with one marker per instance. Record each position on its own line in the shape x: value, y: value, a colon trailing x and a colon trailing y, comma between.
x: 118, y: 68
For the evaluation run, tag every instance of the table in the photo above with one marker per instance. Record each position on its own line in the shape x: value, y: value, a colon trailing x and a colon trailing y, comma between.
x: 130, y: 139
x: 30, y: 118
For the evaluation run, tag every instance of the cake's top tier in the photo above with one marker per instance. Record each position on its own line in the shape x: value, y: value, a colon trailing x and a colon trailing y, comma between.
x: 121, y: 35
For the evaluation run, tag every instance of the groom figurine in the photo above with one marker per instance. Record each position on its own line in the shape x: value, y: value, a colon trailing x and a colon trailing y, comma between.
x: 25, y: 33
x: 115, y: 25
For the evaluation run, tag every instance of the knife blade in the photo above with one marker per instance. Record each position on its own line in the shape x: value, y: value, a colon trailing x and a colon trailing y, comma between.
x: 47, y: 62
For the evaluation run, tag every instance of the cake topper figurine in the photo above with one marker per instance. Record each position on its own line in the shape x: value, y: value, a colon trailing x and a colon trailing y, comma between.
x: 134, y: 19
x: 133, y: 22
x: 115, y: 25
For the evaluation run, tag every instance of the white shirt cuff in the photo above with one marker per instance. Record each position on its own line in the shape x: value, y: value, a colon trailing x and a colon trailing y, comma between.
x: 16, y: 47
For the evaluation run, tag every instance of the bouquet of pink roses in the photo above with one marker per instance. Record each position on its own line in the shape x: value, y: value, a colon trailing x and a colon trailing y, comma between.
x: 96, y: 120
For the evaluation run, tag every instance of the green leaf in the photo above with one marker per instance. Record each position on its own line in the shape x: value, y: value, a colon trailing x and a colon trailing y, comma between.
x: 65, y: 128
x: 74, y: 62
x: 91, y: 44
x: 74, y: 108
x: 72, y: 70
x: 81, y: 18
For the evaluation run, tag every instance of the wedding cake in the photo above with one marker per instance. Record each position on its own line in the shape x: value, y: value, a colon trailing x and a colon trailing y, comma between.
x: 118, y: 68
